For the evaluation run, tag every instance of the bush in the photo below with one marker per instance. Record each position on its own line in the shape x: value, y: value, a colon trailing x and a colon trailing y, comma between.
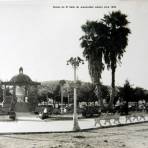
x: 90, y: 111
x: 56, y: 111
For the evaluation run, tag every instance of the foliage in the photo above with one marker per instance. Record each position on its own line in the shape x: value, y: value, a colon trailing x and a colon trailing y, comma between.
x: 42, y: 94
x: 130, y: 94
x: 93, y: 41
x: 1, y: 94
x: 126, y: 92
x: 139, y: 94
x: 105, y: 39
x: 32, y: 98
x: 105, y: 92
x: 62, y: 82
x: 86, y: 93
x: 117, y: 40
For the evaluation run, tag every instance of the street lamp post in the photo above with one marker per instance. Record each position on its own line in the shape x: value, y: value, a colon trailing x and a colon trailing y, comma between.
x: 75, y: 62
x: 62, y: 82
x: 62, y: 109
x: 67, y: 89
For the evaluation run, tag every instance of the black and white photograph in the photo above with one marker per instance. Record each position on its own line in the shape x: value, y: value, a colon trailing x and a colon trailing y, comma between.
x: 73, y: 74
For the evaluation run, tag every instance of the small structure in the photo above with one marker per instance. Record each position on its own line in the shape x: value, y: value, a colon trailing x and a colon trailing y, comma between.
x: 20, y: 87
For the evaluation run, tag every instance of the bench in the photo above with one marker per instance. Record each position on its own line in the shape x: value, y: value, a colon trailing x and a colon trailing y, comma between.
x: 107, y: 118
x: 116, y: 118
x: 135, y: 116
x: 139, y: 116
x: 128, y: 118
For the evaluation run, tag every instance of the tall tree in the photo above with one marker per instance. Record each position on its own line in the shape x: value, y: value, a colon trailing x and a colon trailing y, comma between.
x: 62, y: 82
x: 116, y: 42
x: 32, y: 98
x: 56, y: 95
x: 93, y: 41
x: 139, y: 94
x: 126, y: 93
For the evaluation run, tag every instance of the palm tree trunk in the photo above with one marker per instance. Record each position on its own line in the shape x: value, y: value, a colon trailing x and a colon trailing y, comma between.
x: 95, y: 67
x: 112, y: 88
x: 98, y: 93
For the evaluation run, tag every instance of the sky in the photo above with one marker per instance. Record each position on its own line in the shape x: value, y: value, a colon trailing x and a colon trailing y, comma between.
x: 41, y: 39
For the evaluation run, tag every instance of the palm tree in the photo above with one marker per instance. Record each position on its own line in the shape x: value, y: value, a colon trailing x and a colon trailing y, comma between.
x: 116, y: 43
x: 93, y: 41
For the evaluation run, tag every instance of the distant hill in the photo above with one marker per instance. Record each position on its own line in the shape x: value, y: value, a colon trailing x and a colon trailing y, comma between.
x: 56, y: 82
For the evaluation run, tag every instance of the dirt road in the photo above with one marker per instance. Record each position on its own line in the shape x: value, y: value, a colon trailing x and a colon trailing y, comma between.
x: 132, y: 136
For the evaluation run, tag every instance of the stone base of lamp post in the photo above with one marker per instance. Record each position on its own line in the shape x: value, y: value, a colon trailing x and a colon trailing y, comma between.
x: 75, y: 123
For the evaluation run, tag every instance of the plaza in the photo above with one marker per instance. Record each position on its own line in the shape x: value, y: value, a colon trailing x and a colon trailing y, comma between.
x: 118, y: 137
x: 73, y: 74
x: 27, y: 123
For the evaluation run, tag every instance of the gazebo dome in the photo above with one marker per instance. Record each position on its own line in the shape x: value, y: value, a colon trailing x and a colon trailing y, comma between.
x: 21, y: 78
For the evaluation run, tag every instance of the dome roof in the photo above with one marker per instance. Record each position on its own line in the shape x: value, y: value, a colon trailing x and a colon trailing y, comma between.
x: 21, y: 78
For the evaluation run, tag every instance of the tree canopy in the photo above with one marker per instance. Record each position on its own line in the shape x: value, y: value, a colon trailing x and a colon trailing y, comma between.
x: 104, y: 43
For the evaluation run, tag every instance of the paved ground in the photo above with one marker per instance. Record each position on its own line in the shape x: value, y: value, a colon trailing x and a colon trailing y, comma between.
x: 32, y: 124
x: 131, y: 136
